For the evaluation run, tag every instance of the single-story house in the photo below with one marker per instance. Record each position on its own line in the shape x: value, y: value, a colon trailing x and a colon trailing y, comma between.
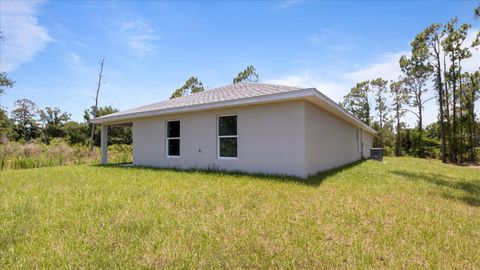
x: 251, y: 127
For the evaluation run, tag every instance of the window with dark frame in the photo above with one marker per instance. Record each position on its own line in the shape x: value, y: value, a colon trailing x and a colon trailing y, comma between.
x: 173, y: 138
x: 227, y: 136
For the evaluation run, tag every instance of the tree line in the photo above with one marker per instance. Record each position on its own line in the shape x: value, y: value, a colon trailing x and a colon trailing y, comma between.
x: 28, y: 123
x: 433, y: 71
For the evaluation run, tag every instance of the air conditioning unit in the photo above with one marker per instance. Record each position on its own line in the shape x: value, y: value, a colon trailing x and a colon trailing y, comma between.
x: 376, y: 154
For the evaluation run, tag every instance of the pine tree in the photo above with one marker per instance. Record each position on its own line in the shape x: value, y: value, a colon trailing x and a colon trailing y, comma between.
x: 357, y: 102
x: 428, y: 43
x: 400, y: 97
x: 248, y: 75
x: 379, y: 89
x: 191, y: 86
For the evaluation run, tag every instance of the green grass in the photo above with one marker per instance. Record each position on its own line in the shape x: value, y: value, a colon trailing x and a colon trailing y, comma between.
x: 403, y: 213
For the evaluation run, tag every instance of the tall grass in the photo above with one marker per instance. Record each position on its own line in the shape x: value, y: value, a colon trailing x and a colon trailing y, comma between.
x: 14, y: 155
x: 403, y: 213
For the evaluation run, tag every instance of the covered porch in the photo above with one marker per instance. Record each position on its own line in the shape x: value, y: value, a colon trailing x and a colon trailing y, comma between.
x: 104, y: 130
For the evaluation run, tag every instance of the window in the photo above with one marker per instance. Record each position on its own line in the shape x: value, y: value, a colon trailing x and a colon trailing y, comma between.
x: 227, y: 136
x: 173, y: 138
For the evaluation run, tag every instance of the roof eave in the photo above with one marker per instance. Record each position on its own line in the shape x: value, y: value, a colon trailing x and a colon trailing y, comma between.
x: 294, y: 95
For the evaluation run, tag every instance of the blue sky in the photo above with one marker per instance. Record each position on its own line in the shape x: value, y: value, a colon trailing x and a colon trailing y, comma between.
x: 53, y: 48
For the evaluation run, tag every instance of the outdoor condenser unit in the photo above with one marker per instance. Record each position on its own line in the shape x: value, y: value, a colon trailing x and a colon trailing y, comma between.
x: 376, y: 154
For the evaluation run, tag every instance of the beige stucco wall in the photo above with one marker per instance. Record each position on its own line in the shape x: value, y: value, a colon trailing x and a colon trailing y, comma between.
x: 270, y: 140
x: 292, y: 138
x: 330, y: 141
x: 367, y: 139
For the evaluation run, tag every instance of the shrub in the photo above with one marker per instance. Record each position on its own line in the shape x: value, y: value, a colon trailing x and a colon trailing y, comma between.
x: 387, y: 151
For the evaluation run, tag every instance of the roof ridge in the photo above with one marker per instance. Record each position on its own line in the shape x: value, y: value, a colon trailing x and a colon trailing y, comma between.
x: 211, y: 89
x: 250, y: 83
x: 224, y: 87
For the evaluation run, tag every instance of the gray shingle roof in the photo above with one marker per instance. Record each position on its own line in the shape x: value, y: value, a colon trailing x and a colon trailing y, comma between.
x: 232, y: 95
x: 224, y: 93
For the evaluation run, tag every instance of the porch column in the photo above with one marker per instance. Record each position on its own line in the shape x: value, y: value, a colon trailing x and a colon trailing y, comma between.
x: 104, y: 144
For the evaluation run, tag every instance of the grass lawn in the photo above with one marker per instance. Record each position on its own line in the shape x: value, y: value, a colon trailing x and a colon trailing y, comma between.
x: 403, y: 213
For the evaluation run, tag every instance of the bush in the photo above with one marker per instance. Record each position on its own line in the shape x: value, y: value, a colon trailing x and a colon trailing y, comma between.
x: 433, y: 152
x: 387, y: 151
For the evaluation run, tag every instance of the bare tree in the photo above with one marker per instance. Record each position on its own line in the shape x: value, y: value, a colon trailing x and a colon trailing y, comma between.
x: 95, y: 107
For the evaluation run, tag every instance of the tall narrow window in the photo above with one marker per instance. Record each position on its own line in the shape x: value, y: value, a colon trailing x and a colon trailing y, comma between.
x: 173, y: 138
x: 227, y: 136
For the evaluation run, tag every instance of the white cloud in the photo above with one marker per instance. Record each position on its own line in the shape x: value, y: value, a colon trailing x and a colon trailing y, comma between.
x: 316, y: 39
x: 323, y: 36
x: 328, y: 40
x: 139, y: 37
x: 288, y: 3
x: 25, y: 37
x: 340, y: 48
x: 386, y: 67
x: 333, y: 89
x: 76, y: 59
x: 75, y: 62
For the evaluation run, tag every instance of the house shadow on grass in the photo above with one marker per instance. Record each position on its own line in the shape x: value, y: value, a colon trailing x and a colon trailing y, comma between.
x: 472, y: 189
x: 314, y: 180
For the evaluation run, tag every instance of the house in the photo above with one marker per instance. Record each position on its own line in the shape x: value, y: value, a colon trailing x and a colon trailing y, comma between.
x: 249, y: 127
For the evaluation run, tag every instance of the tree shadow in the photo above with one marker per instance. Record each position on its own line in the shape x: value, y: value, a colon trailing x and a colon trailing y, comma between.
x: 471, y: 188
x: 314, y: 180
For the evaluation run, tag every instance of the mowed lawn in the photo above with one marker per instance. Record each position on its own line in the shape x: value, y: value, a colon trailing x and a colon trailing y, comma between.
x: 402, y: 213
